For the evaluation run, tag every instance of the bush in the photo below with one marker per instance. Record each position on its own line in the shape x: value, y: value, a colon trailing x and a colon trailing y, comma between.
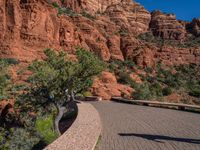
x: 124, y: 78
x: 63, y: 10
x: 87, y: 93
x: 22, y: 139
x: 116, y: 65
x: 3, y: 139
x: 87, y: 15
x: 150, y: 38
x: 4, y: 79
x: 129, y: 64
x: 156, y: 90
x: 142, y: 92
x: 148, y: 70
x: 10, y: 61
x: 123, y: 32
x: 167, y: 91
x: 191, y: 41
x: 55, y: 5
x: 195, y: 92
x: 44, y: 126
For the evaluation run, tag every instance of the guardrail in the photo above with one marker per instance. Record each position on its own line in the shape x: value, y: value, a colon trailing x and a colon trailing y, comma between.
x: 178, y: 106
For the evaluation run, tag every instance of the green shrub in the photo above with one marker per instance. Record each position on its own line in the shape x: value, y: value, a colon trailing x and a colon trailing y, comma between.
x: 10, y: 61
x: 150, y: 79
x: 195, y: 92
x: 44, y: 126
x: 167, y: 91
x: 124, y: 78
x: 118, y: 65
x: 150, y: 38
x: 87, y: 15
x: 22, y: 139
x: 4, y: 145
x: 129, y: 64
x: 148, y: 70
x: 191, y: 41
x: 142, y: 92
x: 112, y: 67
x: 87, y: 93
x: 156, y: 90
x: 123, y: 32
x: 4, y: 79
x: 55, y: 5
x: 63, y: 10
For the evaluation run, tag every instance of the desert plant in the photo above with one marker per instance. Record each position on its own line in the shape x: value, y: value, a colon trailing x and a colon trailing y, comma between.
x: 22, y: 139
x: 44, y: 125
x: 124, y: 78
x: 167, y: 91
x: 142, y: 92
x: 87, y: 15
x: 87, y: 93
x: 155, y: 89
x: 56, y: 80
x: 3, y: 139
x: 123, y: 32
x: 10, y: 61
x: 64, y: 10
x: 4, y: 78
x: 195, y: 91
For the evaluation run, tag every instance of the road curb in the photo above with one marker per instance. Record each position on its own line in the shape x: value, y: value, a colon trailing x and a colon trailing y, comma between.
x: 84, y: 132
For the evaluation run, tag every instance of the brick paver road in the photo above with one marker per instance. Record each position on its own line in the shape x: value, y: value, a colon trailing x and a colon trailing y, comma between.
x: 131, y: 127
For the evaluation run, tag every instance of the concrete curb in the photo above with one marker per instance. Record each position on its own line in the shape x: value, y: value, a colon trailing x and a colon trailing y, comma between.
x: 84, y: 132
x: 185, y: 107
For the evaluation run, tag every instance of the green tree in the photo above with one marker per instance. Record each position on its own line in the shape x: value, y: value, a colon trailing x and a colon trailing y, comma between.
x: 56, y: 80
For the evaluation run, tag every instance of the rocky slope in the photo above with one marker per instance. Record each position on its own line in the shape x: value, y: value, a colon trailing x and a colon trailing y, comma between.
x: 107, y: 27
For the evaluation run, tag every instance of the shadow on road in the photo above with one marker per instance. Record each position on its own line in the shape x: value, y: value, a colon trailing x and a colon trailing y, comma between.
x: 157, y: 138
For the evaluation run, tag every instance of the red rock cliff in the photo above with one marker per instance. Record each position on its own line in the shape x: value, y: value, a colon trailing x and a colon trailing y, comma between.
x: 29, y: 26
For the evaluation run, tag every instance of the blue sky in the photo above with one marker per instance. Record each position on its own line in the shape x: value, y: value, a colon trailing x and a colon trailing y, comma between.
x: 184, y: 9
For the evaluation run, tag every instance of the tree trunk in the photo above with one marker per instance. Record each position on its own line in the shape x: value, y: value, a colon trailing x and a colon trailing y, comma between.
x: 73, y: 96
x: 60, y: 113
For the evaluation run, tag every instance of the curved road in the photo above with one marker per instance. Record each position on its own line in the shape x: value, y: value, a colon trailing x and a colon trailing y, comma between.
x: 132, y: 127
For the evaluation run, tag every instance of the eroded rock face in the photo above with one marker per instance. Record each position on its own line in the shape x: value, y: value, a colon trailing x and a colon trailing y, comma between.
x: 194, y: 27
x: 91, y: 6
x: 106, y: 86
x: 27, y: 27
x: 178, y: 56
x: 166, y: 26
x: 130, y: 16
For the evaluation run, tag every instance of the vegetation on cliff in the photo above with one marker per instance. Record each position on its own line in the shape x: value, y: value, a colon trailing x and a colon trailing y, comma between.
x: 160, y: 81
x: 189, y: 42
x: 54, y: 82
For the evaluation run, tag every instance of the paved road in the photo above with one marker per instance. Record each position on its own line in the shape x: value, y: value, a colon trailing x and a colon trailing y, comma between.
x: 131, y: 127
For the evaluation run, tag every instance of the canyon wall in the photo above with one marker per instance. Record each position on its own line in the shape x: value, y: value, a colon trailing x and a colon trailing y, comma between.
x: 27, y: 27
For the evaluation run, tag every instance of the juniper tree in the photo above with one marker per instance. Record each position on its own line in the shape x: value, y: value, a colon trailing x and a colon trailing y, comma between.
x: 56, y: 80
